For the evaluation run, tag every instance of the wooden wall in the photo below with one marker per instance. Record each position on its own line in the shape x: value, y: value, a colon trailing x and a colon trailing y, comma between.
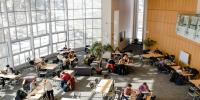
x: 161, y: 24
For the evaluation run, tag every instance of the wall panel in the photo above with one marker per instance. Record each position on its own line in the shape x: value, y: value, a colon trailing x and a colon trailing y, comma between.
x: 161, y: 23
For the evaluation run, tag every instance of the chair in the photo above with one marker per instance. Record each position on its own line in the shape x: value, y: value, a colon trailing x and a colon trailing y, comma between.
x: 193, y: 92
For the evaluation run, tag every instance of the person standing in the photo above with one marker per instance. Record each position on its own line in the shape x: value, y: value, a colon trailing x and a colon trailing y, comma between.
x: 49, y: 89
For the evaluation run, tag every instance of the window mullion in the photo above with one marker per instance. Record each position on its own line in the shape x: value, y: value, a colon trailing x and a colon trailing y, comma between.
x: 9, y: 37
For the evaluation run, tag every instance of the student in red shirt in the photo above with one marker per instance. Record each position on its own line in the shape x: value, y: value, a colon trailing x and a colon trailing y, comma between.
x: 65, y: 78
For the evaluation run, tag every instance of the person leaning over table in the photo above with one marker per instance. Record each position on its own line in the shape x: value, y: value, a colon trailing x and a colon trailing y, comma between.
x: 128, y: 91
x: 126, y: 59
x: 49, y: 89
x: 144, y: 88
x: 111, y: 65
x: 33, y: 85
x: 8, y: 70
x: 65, y: 79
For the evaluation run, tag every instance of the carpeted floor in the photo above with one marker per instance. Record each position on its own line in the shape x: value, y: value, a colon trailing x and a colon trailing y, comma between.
x: 158, y: 82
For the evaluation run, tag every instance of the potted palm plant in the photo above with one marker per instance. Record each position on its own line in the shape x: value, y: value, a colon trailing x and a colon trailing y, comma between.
x: 149, y: 42
x: 98, y: 49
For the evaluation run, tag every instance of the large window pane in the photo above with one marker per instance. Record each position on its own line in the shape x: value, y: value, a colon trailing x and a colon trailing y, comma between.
x: 97, y: 23
x: 61, y: 37
x: 19, y: 5
x: 13, y: 33
x: 96, y: 13
x: 79, y: 43
x: 3, y: 50
x: 22, y: 32
x: 78, y: 35
x: 44, y: 40
x: 25, y: 45
x: 96, y: 32
x: 16, y: 60
x: 20, y: 18
x: 55, y: 38
x: 78, y: 24
x: 97, y: 3
x: 11, y: 19
x: 43, y: 51
x: 22, y: 58
x: 3, y: 62
x: 40, y: 4
x: 41, y: 28
x: 15, y: 47
x: 2, y: 37
x: 71, y: 44
x: 37, y: 42
x: 79, y: 19
x: 60, y: 26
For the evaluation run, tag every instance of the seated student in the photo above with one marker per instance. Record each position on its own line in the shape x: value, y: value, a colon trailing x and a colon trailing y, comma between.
x: 33, y: 85
x: 71, y: 57
x: 128, y: 91
x: 8, y: 69
x: 144, y: 88
x: 126, y: 59
x: 111, y: 65
x: 98, y: 70
x: 65, y: 78
x: 66, y: 63
x: 49, y: 89
x: 121, y: 68
x: 91, y: 59
x: 26, y: 82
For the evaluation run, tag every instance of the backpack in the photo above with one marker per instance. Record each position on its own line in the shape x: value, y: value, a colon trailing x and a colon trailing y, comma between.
x: 180, y: 80
x: 66, y: 88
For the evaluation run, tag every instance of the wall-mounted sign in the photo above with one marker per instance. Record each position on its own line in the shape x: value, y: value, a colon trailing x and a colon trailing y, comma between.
x: 188, y: 26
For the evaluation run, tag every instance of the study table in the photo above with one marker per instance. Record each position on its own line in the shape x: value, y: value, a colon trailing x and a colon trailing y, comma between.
x: 180, y: 71
x: 10, y: 76
x: 37, y: 93
x: 147, y: 96
x: 151, y: 54
x: 69, y: 99
x: 104, y: 86
x: 49, y: 66
x: 195, y: 82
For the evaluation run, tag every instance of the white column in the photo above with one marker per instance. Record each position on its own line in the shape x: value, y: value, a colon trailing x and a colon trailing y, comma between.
x: 198, y: 7
x: 106, y: 21
x: 9, y: 37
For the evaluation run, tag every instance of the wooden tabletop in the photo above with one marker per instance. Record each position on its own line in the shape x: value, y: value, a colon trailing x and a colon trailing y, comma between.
x: 49, y: 66
x: 69, y: 99
x: 175, y: 67
x: 156, y: 55
x: 104, y: 86
x: 133, y: 96
x: 37, y: 93
x: 130, y: 64
x: 196, y: 82
x: 180, y: 71
x: 10, y: 76
x: 38, y: 60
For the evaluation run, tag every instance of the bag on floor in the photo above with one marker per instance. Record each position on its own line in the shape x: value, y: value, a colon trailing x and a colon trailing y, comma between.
x: 65, y: 88
x: 180, y: 80
x: 174, y: 77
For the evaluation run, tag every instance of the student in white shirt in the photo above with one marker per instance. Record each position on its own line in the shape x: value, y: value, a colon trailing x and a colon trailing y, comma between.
x: 8, y: 69
x: 49, y: 89
x: 33, y: 85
